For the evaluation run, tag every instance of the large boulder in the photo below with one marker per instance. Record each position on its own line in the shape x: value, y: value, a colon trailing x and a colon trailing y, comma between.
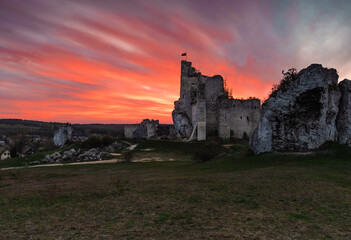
x: 181, y: 121
x: 182, y: 124
x: 63, y: 135
x: 343, y: 122
x: 301, y: 116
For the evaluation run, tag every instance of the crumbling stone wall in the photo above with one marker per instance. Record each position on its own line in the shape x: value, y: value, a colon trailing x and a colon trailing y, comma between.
x: 147, y: 129
x: 238, y: 118
x: 204, y: 108
x: 214, y: 89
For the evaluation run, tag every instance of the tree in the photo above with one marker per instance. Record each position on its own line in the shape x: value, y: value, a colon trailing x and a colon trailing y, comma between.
x: 288, y: 78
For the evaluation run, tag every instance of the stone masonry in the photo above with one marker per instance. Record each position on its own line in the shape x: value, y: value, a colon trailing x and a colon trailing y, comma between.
x: 147, y: 129
x: 204, y: 108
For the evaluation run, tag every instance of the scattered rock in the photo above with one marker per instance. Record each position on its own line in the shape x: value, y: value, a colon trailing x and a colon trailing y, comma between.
x: 343, y: 122
x: 302, y: 116
x: 70, y: 155
x: 63, y: 135
x: 115, y: 147
x: 93, y: 154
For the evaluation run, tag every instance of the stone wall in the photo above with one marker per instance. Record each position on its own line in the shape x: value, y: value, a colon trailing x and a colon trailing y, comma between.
x: 238, y: 118
x: 214, y: 89
x: 200, y: 108
x: 147, y: 129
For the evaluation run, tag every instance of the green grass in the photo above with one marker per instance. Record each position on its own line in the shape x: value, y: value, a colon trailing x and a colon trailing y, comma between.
x: 174, y: 146
x: 239, y: 196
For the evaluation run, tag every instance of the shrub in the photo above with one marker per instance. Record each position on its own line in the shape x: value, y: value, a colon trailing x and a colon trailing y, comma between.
x: 206, y: 153
x: 284, y: 84
x: 92, y: 142
x: 127, y: 156
x: 107, y: 140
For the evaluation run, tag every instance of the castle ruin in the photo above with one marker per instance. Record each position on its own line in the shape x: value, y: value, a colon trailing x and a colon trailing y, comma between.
x: 205, y: 109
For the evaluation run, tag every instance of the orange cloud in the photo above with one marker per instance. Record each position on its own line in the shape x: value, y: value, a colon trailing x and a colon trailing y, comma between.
x: 119, y: 62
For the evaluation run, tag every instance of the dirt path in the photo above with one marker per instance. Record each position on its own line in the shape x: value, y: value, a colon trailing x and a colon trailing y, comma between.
x: 63, y: 164
x: 131, y: 147
x: 126, y: 142
x: 115, y: 160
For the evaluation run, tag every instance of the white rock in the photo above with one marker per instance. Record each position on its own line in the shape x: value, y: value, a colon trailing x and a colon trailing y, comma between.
x: 303, y: 116
x: 63, y: 135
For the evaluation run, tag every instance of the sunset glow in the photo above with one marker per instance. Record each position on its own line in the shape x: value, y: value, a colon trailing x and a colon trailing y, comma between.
x: 119, y: 61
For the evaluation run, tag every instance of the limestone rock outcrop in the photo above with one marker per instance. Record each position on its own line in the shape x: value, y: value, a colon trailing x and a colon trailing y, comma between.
x: 301, y: 116
x: 182, y: 124
x: 343, y: 122
x: 63, y: 135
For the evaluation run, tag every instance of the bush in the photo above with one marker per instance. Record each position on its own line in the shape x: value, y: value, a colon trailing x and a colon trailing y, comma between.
x: 92, y: 142
x: 284, y: 84
x: 95, y: 142
x: 107, y: 140
x: 206, y: 153
x: 127, y: 156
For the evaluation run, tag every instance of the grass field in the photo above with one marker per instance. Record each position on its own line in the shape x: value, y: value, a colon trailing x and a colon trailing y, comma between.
x: 238, y: 196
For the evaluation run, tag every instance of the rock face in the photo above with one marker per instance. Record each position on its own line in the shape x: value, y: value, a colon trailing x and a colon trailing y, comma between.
x: 182, y: 124
x: 343, y: 122
x: 63, y: 135
x: 301, y: 116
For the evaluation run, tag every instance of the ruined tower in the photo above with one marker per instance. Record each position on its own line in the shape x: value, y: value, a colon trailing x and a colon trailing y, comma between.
x: 204, y: 109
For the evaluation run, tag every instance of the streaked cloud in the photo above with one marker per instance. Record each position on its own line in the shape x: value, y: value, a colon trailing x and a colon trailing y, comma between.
x: 119, y: 61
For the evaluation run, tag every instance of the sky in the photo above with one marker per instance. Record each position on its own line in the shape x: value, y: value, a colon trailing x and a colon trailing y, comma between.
x: 117, y: 61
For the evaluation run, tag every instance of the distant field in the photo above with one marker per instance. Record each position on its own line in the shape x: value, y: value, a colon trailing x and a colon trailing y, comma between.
x: 238, y: 196
x: 12, y: 127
